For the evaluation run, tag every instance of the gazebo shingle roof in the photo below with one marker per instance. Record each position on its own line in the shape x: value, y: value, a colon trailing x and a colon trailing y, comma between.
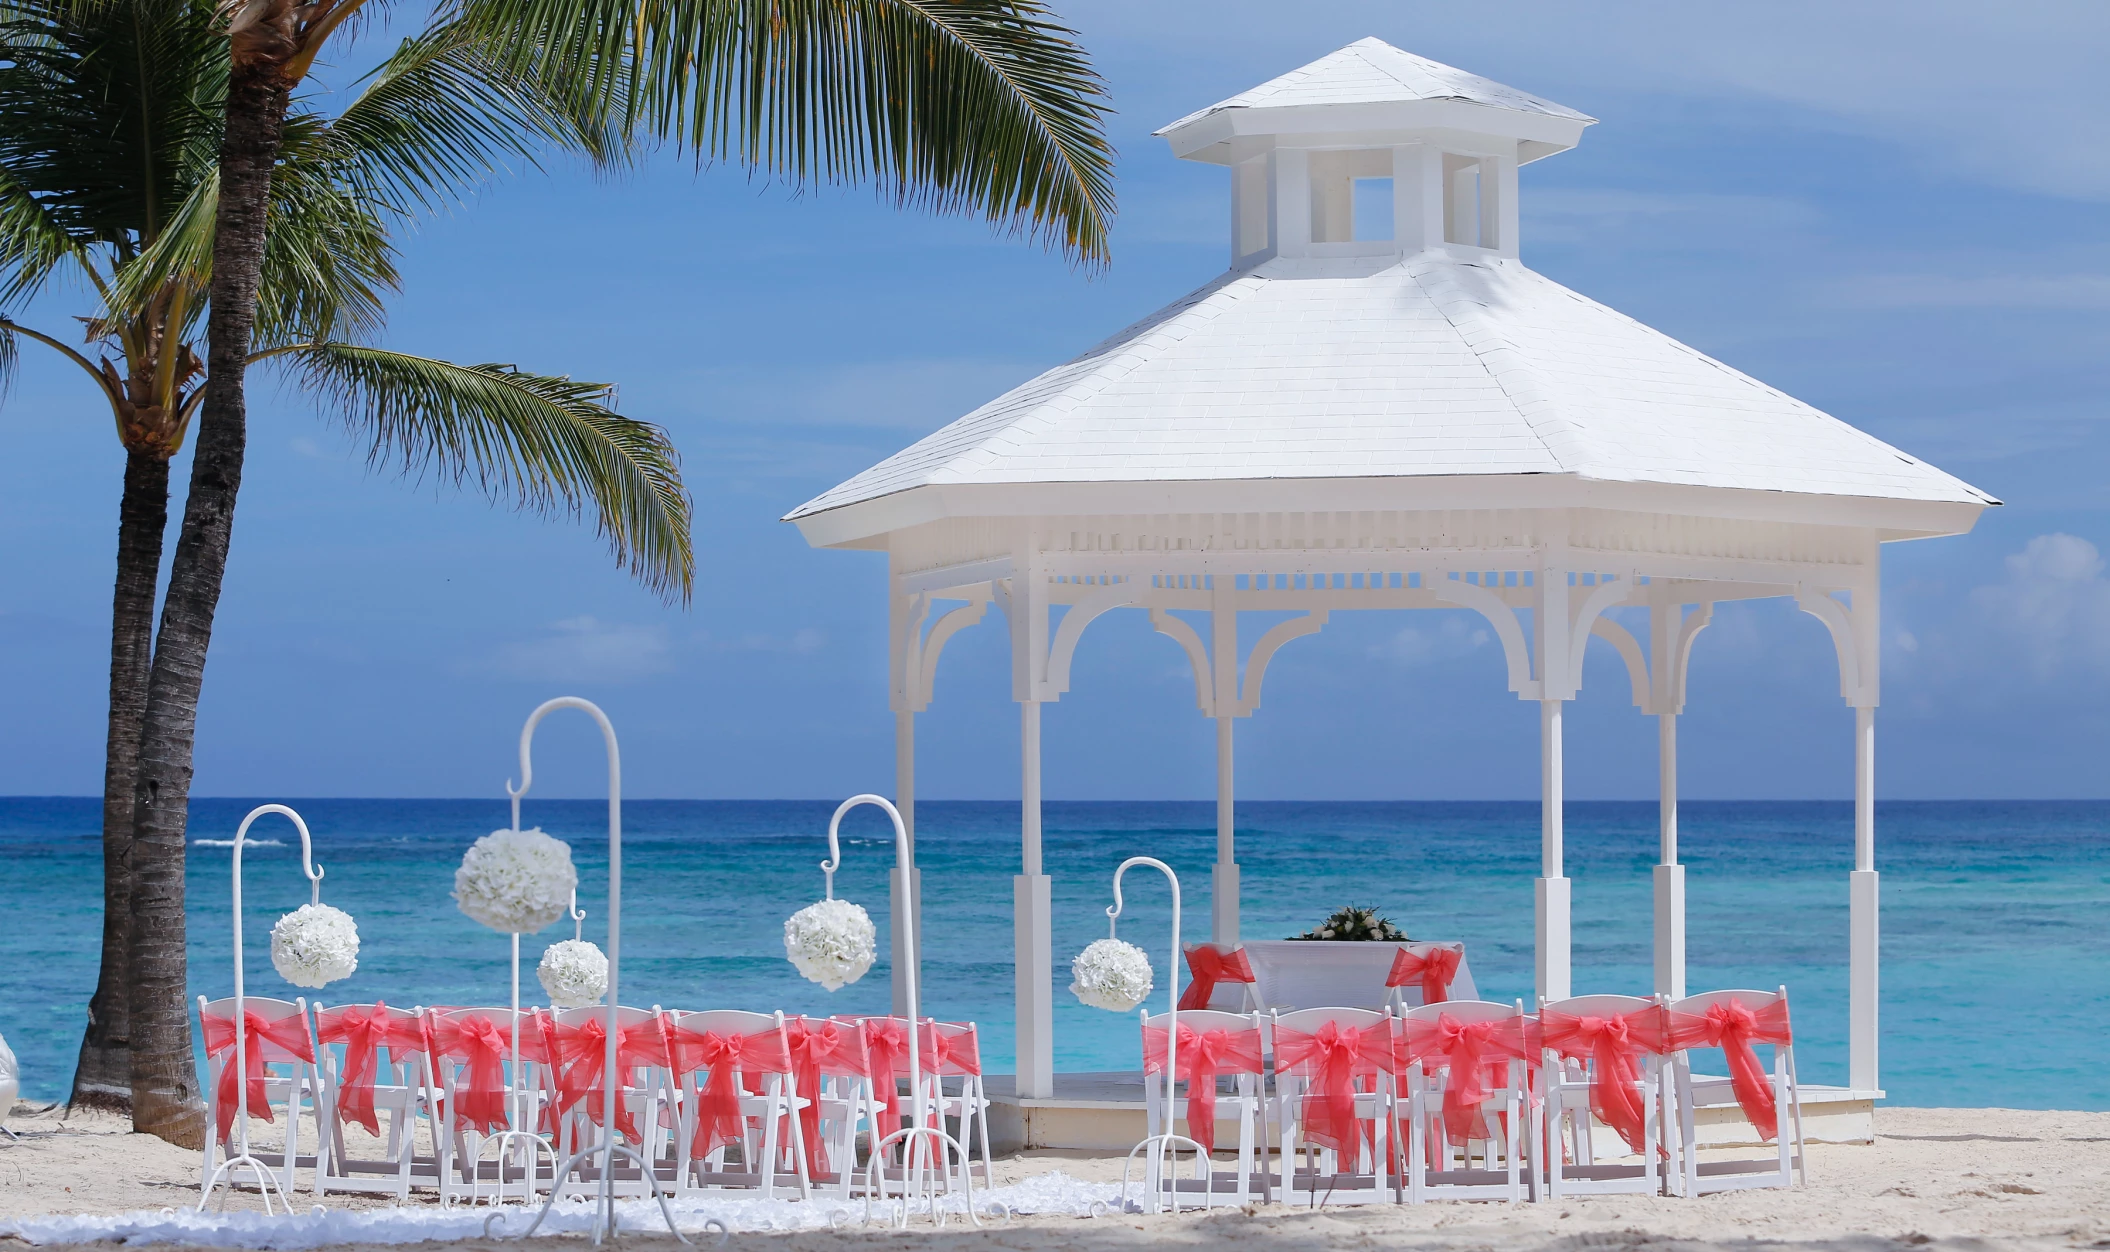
x: 1436, y: 364
x: 1371, y: 71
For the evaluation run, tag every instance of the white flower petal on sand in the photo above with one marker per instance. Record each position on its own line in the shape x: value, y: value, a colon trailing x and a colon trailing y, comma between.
x: 315, y: 945
x: 831, y: 942
x: 516, y: 881
x: 574, y: 973
x: 1110, y: 974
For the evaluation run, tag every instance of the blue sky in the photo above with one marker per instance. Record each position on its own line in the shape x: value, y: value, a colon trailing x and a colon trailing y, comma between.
x: 1900, y: 221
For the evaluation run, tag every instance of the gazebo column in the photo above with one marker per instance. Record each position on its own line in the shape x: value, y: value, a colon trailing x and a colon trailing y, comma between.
x: 1223, y: 654
x: 1669, y: 874
x: 1552, y: 887
x: 1862, y: 1074
x: 1223, y: 880
x: 905, y: 801
x: 1032, y: 893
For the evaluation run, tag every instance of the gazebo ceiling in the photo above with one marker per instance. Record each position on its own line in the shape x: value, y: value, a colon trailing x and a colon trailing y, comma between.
x: 1436, y: 381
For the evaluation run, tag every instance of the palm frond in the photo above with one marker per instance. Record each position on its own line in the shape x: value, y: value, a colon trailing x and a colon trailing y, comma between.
x: 549, y: 444
x: 985, y: 107
x: 32, y: 243
x: 441, y: 117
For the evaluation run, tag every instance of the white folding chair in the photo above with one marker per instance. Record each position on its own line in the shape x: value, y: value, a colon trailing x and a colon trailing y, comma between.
x: 750, y: 1053
x: 1318, y: 1049
x: 461, y: 1040
x: 287, y: 1049
x: 1486, y: 1159
x: 1738, y: 1022
x: 1237, y: 1042
x: 953, y: 1053
x: 646, y: 1095
x: 829, y: 1060
x: 1233, y: 987
x: 386, y: 1163
x: 1584, y: 1036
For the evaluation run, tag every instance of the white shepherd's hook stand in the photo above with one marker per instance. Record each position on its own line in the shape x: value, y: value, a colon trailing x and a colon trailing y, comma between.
x: 1161, y: 1165
x: 526, y: 1147
x: 915, y: 1163
x: 607, y: 1148
x: 228, y: 1165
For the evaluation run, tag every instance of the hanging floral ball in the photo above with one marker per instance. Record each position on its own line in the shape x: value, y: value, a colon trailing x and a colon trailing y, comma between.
x: 831, y: 942
x: 574, y: 973
x: 1110, y: 974
x: 516, y: 881
x: 315, y: 945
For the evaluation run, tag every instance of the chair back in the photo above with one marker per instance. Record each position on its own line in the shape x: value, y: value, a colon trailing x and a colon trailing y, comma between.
x: 952, y: 1049
x: 1220, y: 976
x: 692, y: 1031
x: 1241, y: 1050
x: 270, y: 1010
x: 1694, y: 1005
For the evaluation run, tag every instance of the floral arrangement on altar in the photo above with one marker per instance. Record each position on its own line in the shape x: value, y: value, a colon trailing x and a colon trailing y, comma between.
x: 574, y: 973
x: 315, y: 945
x: 1111, y: 974
x: 1353, y: 924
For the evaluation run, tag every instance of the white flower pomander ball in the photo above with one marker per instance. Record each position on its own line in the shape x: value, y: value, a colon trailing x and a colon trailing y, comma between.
x: 516, y: 881
x: 831, y: 942
x: 574, y: 973
x: 1110, y: 974
x: 315, y: 945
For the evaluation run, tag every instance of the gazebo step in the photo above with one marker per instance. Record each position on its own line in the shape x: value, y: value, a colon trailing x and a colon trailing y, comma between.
x: 1103, y: 1112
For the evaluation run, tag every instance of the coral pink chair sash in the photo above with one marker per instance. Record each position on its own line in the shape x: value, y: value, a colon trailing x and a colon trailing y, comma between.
x: 1477, y: 1054
x: 1201, y: 1056
x: 289, y: 1033
x: 1333, y: 1057
x: 1616, y: 1045
x: 364, y: 1031
x: 718, y: 1119
x: 886, y: 1058
x: 1433, y: 969
x: 952, y: 1054
x: 483, y: 1046
x: 583, y: 1052
x: 820, y: 1049
x: 1734, y: 1027
x: 1206, y: 967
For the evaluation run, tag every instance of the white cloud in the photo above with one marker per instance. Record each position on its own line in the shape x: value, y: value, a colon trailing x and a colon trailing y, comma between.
x: 586, y: 649
x: 2054, y: 605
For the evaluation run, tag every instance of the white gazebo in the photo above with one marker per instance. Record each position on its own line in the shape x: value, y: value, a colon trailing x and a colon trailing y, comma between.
x: 1378, y: 406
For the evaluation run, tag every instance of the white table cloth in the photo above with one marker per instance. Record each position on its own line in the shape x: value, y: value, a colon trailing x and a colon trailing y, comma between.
x: 1311, y: 974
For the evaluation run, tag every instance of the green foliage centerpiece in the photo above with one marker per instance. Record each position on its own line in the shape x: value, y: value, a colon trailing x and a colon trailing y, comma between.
x: 1353, y: 924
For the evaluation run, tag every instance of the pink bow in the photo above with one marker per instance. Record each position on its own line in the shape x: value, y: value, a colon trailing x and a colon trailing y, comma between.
x: 1733, y: 1027
x: 480, y: 1042
x: 818, y: 1049
x: 718, y: 1117
x: 1433, y: 969
x: 1477, y: 1055
x: 1202, y: 1056
x: 584, y: 1050
x: 363, y: 1031
x: 950, y: 1054
x: 1615, y: 1044
x: 1333, y: 1056
x: 289, y: 1033
x: 1207, y: 966
x: 886, y: 1053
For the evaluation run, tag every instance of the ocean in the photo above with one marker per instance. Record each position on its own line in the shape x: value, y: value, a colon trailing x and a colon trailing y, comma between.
x: 1996, y: 916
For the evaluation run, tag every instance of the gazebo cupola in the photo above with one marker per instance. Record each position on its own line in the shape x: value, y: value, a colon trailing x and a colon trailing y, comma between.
x: 1373, y: 151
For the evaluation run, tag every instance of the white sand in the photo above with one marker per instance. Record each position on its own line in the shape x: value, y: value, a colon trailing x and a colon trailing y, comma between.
x: 1960, y: 1180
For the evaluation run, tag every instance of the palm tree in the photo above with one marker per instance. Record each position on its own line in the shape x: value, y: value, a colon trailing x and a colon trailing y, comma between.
x: 109, y: 119
x: 970, y: 106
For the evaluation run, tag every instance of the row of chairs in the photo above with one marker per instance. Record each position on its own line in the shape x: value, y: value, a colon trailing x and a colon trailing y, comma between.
x: 429, y: 1099
x: 1477, y: 1100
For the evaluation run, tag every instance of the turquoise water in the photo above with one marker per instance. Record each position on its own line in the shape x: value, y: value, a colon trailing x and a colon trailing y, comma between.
x: 1996, y: 948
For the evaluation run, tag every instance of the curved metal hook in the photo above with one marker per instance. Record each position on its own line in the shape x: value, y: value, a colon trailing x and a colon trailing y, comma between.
x: 307, y: 846
x: 578, y: 915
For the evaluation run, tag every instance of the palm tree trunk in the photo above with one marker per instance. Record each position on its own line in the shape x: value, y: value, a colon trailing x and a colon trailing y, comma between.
x: 103, y: 1076
x: 164, y: 1076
